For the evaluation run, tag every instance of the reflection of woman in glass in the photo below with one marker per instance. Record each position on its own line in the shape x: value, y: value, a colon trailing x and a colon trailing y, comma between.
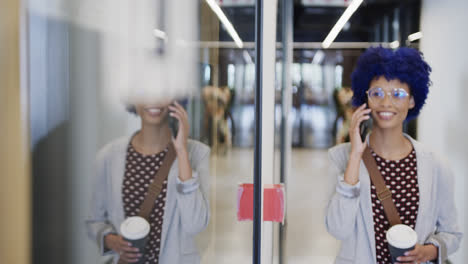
x: 126, y: 167
x: 394, y: 86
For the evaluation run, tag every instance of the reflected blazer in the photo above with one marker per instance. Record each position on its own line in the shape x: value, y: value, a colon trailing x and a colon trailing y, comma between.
x: 186, y: 212
x: 348, y: 216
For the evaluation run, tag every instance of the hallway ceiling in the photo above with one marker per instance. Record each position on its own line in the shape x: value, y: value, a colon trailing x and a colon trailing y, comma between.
x: 312, y: 24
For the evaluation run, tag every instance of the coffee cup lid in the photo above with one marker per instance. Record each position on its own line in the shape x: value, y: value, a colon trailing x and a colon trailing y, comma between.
x: 134, y: 227
x: 401, y: 236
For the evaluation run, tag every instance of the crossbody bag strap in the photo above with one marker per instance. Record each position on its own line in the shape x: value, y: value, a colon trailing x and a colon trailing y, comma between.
x: 383, y: 193
x: 155, y: 188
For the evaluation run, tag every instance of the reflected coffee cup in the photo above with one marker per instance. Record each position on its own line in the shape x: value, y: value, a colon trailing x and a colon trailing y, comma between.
x: 400, y: 238
x: 135, y: 230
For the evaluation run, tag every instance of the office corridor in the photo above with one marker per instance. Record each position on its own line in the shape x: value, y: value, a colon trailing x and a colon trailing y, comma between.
x: 306, y: 239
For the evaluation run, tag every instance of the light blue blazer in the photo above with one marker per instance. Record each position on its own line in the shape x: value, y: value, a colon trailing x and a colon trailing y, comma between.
x: 187, y: 209
x: 349, y: 217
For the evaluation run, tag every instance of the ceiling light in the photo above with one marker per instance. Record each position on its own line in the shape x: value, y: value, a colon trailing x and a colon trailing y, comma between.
x: 341, y: 22
x: 222, y: 17
x: 247, y: 57
x: 318, y: 57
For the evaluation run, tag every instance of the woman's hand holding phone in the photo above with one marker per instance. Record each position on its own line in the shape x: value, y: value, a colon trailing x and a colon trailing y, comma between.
x: 180, y: 140
x: 351, y: 175
x: 360, y: 115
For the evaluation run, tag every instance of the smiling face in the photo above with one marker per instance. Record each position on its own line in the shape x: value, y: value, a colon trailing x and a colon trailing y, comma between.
x: 390, y: 112
x: 153, y: 114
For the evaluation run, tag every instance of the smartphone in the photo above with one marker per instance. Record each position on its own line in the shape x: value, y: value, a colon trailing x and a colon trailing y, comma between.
x: 365, y: 127
x: 174, y: 125
x: 173, y: 122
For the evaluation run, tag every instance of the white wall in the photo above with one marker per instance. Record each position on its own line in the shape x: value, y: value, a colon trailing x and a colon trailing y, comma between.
x: 442, y: 124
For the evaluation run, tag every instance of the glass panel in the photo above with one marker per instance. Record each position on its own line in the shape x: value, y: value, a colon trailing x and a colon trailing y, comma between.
x: 84, y: 57
x: 91, y: 65
x: 321, y: 110
x: 229, y: 128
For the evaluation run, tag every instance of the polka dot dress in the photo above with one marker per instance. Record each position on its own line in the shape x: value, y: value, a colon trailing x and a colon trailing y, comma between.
x: 139, y: 174
x: 401, y: 179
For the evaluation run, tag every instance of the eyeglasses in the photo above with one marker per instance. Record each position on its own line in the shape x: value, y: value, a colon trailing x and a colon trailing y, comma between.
x: 397, y: 95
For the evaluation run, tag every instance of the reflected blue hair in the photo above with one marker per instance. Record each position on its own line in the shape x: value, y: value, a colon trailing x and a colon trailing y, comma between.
x: 404, y: 64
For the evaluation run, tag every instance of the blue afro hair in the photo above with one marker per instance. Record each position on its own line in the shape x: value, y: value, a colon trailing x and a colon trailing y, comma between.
x: 405, y: 64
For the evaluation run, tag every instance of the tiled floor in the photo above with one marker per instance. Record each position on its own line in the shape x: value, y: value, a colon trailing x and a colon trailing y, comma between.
x: 229, y: 241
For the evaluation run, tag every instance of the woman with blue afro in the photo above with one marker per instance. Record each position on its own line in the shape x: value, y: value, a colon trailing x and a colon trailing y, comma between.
x: 390, y: 87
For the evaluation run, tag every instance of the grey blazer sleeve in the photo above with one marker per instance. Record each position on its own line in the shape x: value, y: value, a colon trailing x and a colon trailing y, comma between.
x: 97, y: 223
x: 447, y: 235
x: 342, y: 209
x: 192, y: 195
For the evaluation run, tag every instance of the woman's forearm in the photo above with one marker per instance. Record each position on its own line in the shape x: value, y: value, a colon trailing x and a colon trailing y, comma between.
x: 185, y: 170
x: 351, y: 175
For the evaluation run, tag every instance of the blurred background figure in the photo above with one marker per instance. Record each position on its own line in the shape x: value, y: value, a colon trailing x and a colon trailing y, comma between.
x: 218, y: 122
x: 344, y: 111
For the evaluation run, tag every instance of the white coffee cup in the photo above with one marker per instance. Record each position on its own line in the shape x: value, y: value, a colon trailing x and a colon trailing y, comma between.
x: 401, y: 238
x: 135, y: 230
